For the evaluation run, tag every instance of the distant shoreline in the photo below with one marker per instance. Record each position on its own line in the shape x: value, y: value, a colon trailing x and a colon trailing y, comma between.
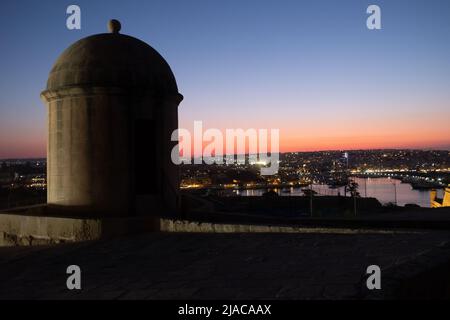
x: 289, y: 152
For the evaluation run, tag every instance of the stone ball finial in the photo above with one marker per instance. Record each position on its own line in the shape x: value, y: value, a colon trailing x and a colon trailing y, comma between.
x: 114, y: 26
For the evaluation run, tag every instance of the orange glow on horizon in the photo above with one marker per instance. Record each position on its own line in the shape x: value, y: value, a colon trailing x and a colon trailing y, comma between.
x: 304, y: 137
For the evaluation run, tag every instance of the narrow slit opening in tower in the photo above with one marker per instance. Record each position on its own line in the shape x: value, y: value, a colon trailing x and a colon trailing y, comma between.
x: 145, y: 157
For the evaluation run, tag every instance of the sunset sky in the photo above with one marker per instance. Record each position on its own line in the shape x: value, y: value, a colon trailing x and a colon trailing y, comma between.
x: 309, y: 68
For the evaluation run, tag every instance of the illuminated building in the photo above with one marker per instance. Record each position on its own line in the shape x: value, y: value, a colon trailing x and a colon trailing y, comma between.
x: 444, y: 202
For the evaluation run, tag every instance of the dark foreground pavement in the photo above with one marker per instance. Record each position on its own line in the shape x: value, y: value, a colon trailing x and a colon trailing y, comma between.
x: 320, y: 265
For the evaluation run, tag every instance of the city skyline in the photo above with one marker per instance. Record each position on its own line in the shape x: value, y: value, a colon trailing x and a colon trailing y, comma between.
x: 311, y: 69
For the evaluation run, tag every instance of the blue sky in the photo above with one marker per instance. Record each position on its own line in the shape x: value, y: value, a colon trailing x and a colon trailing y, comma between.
x: 310, y: 68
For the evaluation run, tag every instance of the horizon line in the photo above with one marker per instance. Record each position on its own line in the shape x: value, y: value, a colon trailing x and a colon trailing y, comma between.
x: 286, y: 152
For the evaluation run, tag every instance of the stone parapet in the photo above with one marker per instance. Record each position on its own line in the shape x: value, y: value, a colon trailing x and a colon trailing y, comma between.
x: 22, y: 229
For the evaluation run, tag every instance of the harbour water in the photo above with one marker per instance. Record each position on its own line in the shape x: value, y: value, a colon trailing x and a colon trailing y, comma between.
x: 386, y: 190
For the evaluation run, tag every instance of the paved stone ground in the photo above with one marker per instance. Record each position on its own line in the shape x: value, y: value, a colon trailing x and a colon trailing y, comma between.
x: 322, y: 265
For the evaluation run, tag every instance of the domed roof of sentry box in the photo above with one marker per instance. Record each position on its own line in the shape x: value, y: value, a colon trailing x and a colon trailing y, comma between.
x: 112, y: 60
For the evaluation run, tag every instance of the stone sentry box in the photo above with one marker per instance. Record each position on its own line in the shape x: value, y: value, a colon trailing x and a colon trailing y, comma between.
x: 112, y: 106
